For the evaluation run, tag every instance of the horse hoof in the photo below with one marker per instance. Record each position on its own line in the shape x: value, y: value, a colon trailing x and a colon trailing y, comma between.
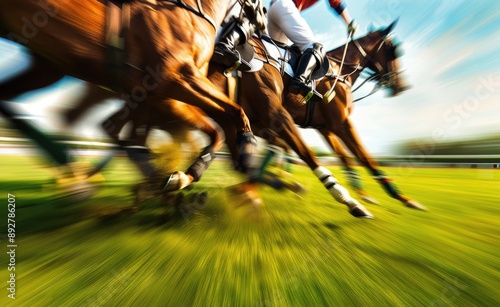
x: 414, y: 205
x: 361, y: 212
x: 176, y: 181
x: 369, y: 199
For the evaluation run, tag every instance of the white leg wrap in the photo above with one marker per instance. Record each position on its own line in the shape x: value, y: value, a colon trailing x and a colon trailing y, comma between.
x: 326, y: 177
x: 338, y: 192
x: 342, y: 196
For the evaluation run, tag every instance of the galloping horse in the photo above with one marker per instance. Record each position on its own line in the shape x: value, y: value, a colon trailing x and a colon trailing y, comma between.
x: 165, y: 53
x: 174, y: 119
x: 333, y: 118
x: 377, y: 52
x: 261, y: 98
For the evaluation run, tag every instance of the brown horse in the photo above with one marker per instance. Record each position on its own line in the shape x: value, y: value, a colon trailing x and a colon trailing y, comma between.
x: 176, y: 119
x: 168, y: 46
x: 334, y: 117
x: 261, y: 98
x: 377, y: 52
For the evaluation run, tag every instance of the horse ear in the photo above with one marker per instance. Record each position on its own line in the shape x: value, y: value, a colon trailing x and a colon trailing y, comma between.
x: 389, y: 29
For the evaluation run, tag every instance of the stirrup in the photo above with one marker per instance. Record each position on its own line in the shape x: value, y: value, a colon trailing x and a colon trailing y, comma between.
x: 230, y: 59
x: 240, y: 64
x: 298, y: 87
x: 308, y: 92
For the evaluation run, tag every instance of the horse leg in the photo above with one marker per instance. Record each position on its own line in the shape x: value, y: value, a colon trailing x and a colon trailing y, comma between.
x: 350, y: 137
x: 191, y: 116
x: 40, y: 74
x: 278, y: 148
x: 93, y: 95
x: 273, y: 152
x: 193, y: 88
x: 276, y: 151
x: 185, y: 116
x: 170, y: 110
x: 283, y: 124
x: 245, y: 193
x: 134, y: 143
x: 351, y: 172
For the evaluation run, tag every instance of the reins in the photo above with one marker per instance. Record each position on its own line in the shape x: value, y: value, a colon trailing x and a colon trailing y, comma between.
x: 376, y: 75
x: 328, y: 96
x: 378, y: 86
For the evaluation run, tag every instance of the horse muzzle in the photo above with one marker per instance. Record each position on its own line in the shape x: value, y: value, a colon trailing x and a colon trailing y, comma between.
x: 397, y: 84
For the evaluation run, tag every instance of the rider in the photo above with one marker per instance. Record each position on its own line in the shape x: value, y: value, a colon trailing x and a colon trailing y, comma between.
x: 286, y: 24
x: 237, y: 30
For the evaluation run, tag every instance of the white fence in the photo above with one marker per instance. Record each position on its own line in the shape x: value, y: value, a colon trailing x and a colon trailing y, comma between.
x: 16, y: 146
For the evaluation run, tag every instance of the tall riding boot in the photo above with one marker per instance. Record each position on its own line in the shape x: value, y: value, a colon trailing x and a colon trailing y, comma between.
x: 310, y: 59
x: 235, y: 34
x: 300, y: 82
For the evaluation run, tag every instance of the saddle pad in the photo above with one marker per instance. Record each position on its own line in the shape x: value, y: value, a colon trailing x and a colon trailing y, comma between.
x: 279, y: 54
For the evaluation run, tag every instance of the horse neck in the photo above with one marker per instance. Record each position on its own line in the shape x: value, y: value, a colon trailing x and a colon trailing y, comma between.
x: 216, y: 9
x: 354, y: 57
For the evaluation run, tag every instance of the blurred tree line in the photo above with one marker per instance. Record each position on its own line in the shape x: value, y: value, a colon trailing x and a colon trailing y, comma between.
x: 487, y: 145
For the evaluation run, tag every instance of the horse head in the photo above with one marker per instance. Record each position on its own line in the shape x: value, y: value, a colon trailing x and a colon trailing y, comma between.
x: 378, y: 52
x: 384, y: 61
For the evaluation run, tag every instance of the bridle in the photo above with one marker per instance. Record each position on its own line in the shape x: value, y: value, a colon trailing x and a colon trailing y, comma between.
x: 383, y: 76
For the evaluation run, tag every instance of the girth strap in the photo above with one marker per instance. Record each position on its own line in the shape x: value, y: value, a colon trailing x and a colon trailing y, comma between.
x: 232, y: 85
x: 233, y: 80
x: 310, y: 108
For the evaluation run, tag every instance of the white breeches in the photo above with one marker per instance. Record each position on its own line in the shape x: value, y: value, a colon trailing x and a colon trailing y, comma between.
x: 285, y: 24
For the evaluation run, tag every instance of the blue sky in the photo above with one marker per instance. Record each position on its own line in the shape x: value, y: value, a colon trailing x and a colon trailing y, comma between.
x: 452, y: 60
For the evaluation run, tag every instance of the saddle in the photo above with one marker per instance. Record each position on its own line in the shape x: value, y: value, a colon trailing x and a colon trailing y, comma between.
x: 283, y: 57
x: 286, y: 58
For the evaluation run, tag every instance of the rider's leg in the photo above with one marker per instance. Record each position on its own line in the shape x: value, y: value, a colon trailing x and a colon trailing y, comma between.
x: 310, y: 59
x: 235, y: 33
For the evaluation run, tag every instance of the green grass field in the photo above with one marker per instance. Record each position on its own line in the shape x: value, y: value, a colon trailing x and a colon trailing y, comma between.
x: 300, y: 252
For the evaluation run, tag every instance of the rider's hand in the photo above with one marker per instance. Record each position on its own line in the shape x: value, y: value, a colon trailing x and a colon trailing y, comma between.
x: 351, y: 28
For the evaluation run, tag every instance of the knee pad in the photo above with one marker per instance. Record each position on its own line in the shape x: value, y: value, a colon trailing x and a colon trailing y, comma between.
x: 246, y: 28
x: 319, y: 52
x: 243, y: 27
